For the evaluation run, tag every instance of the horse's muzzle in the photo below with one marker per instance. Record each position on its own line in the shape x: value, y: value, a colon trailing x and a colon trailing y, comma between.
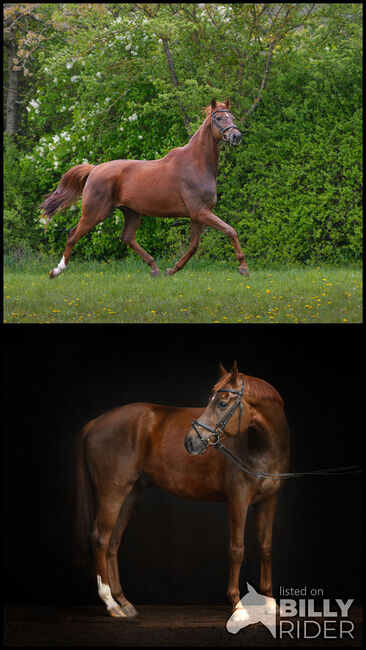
x: 193, y: 444
x: 235, y: 137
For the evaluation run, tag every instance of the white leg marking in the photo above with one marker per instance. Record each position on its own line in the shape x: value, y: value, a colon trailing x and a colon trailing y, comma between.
x: 104, y: 592
x: 61, y: 267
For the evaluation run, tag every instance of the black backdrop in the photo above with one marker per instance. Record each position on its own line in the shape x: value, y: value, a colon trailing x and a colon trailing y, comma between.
x: 174, y: 551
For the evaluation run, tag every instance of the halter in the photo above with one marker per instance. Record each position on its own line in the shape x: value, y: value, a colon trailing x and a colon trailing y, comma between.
x: 222, y: 131
x: 220, y: 426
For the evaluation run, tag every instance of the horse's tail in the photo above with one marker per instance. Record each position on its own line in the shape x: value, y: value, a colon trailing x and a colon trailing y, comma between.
x: 69, y: 190
x: 84, y: 502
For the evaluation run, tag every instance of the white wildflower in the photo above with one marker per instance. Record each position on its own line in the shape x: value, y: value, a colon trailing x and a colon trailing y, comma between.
x: 69, y: 65
x: 74, y: 78
x: 128, y: 47
x: 139, y: 137
x: 133, y: 117
x: 85, y: 162
x: 56, y: 139
x: 99, y: 74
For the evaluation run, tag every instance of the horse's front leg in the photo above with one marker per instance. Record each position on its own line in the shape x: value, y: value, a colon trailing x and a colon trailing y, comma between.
x: 208, y: 218
x: 237, y: 503
x: 264, y: 512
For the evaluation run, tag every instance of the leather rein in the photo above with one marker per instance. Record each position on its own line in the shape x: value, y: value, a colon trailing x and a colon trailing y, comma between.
x: 214, y: 440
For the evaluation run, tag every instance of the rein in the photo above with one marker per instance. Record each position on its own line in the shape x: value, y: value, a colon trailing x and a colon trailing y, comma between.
x: 218, y: 430
x: 219, y: 127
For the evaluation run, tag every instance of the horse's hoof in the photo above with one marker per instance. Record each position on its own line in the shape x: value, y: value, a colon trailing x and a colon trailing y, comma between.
x: 243, y: 271
x: 155, y: 273
x: 168, y: 272
x: 52, y: 274
x: 129, y: 611
x: 116, y: 612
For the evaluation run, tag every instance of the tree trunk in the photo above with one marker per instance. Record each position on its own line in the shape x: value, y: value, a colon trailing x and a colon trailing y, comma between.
x: 174, y: 79
x: 13, y: 83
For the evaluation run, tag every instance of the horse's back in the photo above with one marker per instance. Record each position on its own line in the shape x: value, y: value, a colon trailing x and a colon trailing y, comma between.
x: 149, y: 187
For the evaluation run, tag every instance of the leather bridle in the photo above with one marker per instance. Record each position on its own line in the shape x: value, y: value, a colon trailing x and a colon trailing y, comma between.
x: 218, y: 126
x: 241, y: 464
x: 220, y: 426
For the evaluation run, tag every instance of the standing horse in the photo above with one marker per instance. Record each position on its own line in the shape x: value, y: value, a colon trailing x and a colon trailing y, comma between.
x: 140, y: 445
x: 182, y: 184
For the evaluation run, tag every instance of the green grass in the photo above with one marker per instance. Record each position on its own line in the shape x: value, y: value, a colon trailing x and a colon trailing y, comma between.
x: 124, y: 292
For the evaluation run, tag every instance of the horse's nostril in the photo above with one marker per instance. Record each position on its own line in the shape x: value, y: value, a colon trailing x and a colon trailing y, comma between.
x: 188, y: 445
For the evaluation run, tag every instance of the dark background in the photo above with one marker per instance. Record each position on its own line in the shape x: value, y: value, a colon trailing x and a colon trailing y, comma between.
x: 174, y: 551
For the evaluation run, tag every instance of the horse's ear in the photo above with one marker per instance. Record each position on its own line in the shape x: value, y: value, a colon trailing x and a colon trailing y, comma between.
x: 227, y: 103
x: 234, y: 372
x: 213, y: 103
x: 222, y: 371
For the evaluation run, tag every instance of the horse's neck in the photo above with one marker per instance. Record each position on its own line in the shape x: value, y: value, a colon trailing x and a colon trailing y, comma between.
x: 204, y: 146
x: 260, y: 443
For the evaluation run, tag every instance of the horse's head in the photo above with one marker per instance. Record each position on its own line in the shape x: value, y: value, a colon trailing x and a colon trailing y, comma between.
x: 222, y: 121
x: 226, y: 413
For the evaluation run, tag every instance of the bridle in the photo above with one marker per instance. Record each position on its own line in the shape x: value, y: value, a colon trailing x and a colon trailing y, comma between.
x: 216, y: 432
x: 220, y: 426
x: 218, y: 126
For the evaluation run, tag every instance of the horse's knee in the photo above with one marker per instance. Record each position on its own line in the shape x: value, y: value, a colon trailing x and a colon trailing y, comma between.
x: 236, y: 553
x: 265, y: 551
x: 127, y: 239
x: 231, y: 233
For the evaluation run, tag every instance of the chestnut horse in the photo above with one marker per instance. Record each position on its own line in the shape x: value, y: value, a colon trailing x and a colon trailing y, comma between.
x: 139, y: 445
x: 182, y: 184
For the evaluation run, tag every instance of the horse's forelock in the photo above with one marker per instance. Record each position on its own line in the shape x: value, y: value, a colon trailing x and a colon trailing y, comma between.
x: 208, y: 109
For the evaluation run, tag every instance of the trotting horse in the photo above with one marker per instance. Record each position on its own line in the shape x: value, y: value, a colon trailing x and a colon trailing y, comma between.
x: 182, y: 184
x: 140, y: 445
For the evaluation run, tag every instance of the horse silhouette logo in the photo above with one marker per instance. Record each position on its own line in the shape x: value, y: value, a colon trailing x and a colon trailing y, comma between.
x: 253, y: 608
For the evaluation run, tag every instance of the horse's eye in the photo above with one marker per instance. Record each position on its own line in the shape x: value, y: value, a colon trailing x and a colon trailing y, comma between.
x: 218, y: 119
x: 222, y: 405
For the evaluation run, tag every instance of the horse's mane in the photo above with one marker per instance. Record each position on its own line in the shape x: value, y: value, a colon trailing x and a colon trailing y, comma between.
x: 253, y: 388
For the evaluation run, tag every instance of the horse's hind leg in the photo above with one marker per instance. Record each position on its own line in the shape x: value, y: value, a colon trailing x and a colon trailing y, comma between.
x: 92, y: 213
x: 128, y: 236
x: 112, y: 552
x: 264, y: 512
x: 107, y: 516
x: 196, y: 229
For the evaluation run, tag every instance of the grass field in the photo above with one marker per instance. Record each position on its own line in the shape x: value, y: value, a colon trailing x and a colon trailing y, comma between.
x: 124, y: 292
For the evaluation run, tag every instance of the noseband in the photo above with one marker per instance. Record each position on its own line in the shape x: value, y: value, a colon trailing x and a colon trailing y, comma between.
x: 217, y: 431
x: 219, y: 127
